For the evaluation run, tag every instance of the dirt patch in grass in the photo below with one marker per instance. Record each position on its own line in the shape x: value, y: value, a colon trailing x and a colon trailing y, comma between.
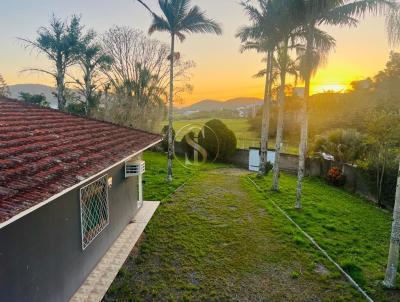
x: 215, y: 242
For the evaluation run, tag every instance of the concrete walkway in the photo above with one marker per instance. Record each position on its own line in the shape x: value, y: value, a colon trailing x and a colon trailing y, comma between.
x: 100, y: 279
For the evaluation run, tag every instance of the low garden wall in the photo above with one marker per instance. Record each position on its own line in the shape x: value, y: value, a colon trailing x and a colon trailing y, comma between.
x: 289, y: 162
x: 356, y: 179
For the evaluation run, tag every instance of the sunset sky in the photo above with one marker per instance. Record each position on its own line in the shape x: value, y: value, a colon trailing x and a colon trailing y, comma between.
x: 221, y: 72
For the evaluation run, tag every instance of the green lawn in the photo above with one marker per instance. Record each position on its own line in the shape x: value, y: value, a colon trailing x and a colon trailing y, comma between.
x: 241, y: 127
x: 355, y: 233
x: 220, y: 239
x: 214, y: 240
x: 155, y: 185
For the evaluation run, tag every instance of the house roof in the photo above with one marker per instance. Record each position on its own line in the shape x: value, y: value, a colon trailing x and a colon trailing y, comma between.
x: 43, y: 152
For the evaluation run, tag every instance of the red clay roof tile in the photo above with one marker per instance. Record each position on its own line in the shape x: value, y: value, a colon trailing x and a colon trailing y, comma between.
x: 44, y: 151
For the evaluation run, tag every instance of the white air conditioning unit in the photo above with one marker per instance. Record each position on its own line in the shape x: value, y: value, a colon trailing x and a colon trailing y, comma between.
x: 136, y: 168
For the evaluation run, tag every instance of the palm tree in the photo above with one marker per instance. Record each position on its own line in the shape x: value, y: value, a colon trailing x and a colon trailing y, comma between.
x: 287, y: 25
x: 60, y: 42
x: 262, y: 36
x: 393, y: 258
x: 92, y: 61
x: 393, y: 29
x: 178, y: 19
x: 313, y: 14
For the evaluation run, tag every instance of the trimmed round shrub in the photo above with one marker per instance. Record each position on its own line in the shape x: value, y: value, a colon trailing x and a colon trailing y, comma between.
x: 219, y: 141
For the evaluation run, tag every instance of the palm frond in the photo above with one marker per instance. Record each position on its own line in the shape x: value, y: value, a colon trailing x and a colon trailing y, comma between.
x: 323, y: 42
x: 146, y: 6
x: 393, y: 27
x: 360, y: 7
x: 168, y: 8
x: 196, y: 22
x: 159, y: 24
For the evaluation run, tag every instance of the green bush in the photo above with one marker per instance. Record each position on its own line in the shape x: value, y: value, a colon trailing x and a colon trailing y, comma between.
x: 76, y: 108
x: 164, y: 133
x: 346, y: 145
x: 219, y: 141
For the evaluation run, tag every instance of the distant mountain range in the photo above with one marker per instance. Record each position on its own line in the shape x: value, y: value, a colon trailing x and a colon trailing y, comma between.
x: 205, y: 105
x: 215, y: 105
x: 15, y: 90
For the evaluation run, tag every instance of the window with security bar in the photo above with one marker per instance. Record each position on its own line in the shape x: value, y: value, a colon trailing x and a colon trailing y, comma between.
x: 94, y: 210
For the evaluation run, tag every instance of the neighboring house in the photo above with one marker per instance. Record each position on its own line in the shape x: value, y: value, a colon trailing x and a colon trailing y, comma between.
x: 65, y: 196
x: 190, y: 112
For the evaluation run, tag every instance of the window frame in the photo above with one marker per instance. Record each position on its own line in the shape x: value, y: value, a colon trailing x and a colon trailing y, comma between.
x: 104, y: 181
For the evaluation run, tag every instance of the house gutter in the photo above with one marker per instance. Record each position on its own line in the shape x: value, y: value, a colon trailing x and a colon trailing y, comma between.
x: 54, y: 197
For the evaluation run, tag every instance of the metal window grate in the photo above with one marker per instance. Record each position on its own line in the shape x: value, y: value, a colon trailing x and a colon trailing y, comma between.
x: 94, y: 210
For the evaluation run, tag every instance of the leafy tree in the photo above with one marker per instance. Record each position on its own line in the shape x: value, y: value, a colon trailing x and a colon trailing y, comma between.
x: 35, y: 99
x: 93, y: 61
x: 386, y: 84
x: 178, y: 19
x: 60, y: 42
x: 76, y: 108
x: 4, y: 90
x: 138, y: 77
x: 138, y: 103
x: 383, y: 135
x: 347, y: 146
x: 75, y: 104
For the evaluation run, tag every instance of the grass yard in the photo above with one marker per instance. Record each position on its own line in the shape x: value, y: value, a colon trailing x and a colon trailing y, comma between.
x: 241, y: 127
x: 155, y: 187
x: 218, y: 239
x: 355, y: 233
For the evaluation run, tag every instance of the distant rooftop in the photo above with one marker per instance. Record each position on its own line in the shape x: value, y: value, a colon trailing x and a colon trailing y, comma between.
x: 44, y: 152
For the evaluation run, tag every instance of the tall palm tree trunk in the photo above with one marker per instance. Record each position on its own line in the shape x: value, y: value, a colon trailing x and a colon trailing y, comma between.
x: 303, y: 145
x: 304, y: 124
x: 88, y: 93
x: 266, y: 115
x: 281, y: 119
x: 171, y: 110
x: 60, y: 88
x: 393, y: 259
